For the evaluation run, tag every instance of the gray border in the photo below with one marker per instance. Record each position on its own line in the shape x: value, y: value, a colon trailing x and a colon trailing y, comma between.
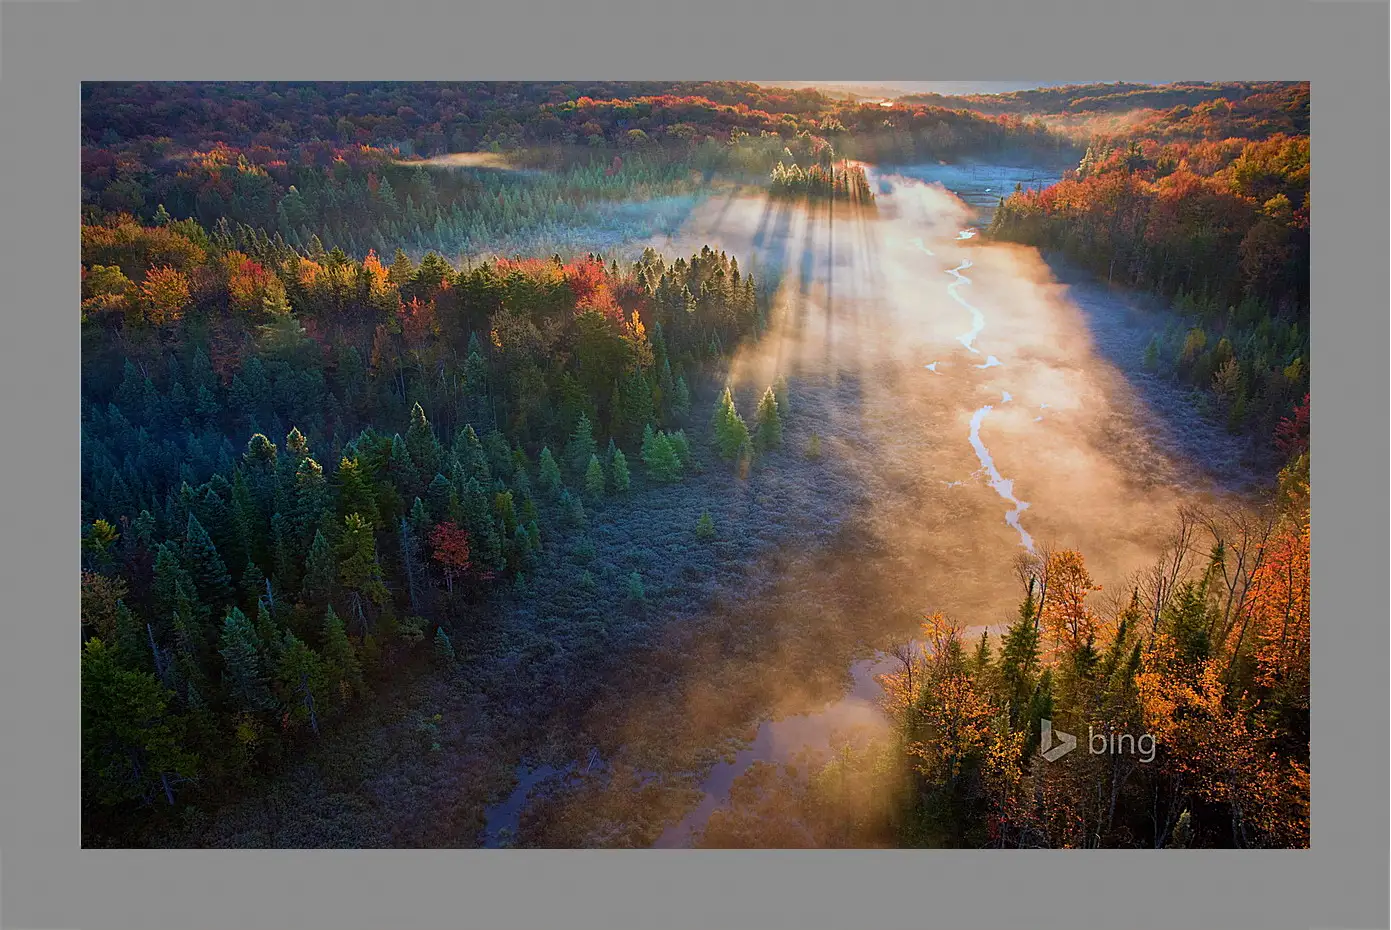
x: 48, y: 882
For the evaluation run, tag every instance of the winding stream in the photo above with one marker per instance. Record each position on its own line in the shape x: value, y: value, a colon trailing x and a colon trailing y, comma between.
x: 780, y: 740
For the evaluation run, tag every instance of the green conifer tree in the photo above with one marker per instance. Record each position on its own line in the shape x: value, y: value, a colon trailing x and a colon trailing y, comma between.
x: 769, y: 422
x: 130, y: 740
x: 340, y: 659
x: 205, y: 566
x: 549, y: 476
x: 243, y: 675
x: 594, y: 479
x: 620, y: 477
x: 581, y: 448
x: 661, y: 460
x: 731, y: 433
x: 444, y: 649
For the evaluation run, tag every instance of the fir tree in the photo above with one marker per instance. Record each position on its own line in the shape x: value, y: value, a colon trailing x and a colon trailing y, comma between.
x: 444, y: 649
x: 320, y: 571
x: 205, y: 566
x: 705, y: 526
x: 301, y: 681
x: 130, y: 741
x: 781, y: 394
x: 549, y: 477
x: 769, y: 422
x: 682, y: 447
x: 421, y: 443
x: 358, y: 568
x: 661, y: 460
x: 594, y: 479
x: 243, y: 676
x: 581, y: 447
x: 681, y: 398
x: 731, y: 434
x: 340, y: 659
x: 355, y: 495
x: 1019, y: 658
x: 620, y: 477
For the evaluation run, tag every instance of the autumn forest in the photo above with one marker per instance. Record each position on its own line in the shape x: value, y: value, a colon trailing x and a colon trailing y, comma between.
x: 714, y: 464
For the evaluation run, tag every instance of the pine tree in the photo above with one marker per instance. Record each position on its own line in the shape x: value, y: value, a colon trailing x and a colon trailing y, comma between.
x: 421, y: 443
x: 635, y: 589
x: 731, y: 434
x: 572, y: 508
x: 320, y: 571
x: 205, y: 566
x: 769, y: 422
x: 660, y: 459
x: 594, y: 479
x: 355, y: 495
x: 549, y: 477
x: 444, y: 649
x: 340, y: 659
x: 581, y: 447
x: 359, y: 570
x: 242, y: 675
x: 781, y: 393
x: 130, y: 741
x: 682, y: 447
x: 311, y: 498
x: 284, y: 553
x: 301, y: 681
x: 296, y: 445
x: 705, y: 526
x: 1019, y: 658
x: 621, y: 479
x: 681, y: 398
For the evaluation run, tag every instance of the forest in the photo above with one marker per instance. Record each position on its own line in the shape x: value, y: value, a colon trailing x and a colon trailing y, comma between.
x: 398, y: 467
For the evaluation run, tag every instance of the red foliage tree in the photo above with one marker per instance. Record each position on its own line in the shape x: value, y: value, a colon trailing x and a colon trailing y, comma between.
x: 1292, y: 433
x: 451, y: 550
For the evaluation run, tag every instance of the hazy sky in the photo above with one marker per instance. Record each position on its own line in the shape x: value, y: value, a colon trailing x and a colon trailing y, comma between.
x: 938, y: 87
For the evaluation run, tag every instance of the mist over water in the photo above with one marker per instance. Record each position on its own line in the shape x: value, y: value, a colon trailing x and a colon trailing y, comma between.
x: 929, y: 388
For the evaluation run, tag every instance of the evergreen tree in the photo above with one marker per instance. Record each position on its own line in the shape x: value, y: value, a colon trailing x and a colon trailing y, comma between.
x: 421, y: 443
x: 621, y: 479
x: 705, y: 526
x: 1019, y: 658
x: 661, y: 460
x: 635, y: 589
x: 769, y: 422
x: 242, y: 675
x: 320, y: 571
x: 311, y: 498
x: 284, y: 553
x: 205, y: 566
x: 340, y: 659
x: 301, y: 681
x: 682, y: 447
x: 731, y: 434
x: 549, y: 477
x: 594, y: 479
x: 355, y: 494
x: 581, y: 447
x: 130, y: 741
x: 444, y: 649
x: 359, y: 570
x: 681, y: 398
